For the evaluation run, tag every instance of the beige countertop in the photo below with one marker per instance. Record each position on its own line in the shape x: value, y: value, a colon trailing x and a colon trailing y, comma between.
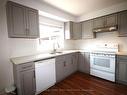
x: 41, y: 56
x: 122, y: 53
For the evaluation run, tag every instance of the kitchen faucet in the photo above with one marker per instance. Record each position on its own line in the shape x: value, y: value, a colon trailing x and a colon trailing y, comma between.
x: 55, y: 46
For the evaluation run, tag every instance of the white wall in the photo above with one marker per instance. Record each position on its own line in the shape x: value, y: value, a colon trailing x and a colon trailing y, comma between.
x: 106, y: 11
x: 6, y: 76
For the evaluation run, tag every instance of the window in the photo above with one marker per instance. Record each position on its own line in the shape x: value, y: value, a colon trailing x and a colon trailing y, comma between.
x: 51, y: 36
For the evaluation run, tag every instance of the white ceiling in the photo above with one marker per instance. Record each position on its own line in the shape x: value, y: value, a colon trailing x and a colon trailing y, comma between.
x: 81, y: 7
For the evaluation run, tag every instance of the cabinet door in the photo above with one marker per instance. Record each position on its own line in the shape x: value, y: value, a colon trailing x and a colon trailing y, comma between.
x: 68, y: 30
x: 77, y: 33
x: 87, y: 32
x: 111, y: 20
x: 84, y: 62
x: 75, y: 62
x: 122, y: 24
x: 32, y: 23
x: 99, y: 22
x: 68, y: 65
x: 81, y: 62
x: 121, y: 74
x: 28, y: 82
x: 60, y: 63
x: 16, y: 20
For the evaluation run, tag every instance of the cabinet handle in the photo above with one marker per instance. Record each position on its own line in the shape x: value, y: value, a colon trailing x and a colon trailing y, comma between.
x: 26, y: 67
x: 64, y: 64
x: 72, y: 61
x: 27, y: 31
x: 34, y: 74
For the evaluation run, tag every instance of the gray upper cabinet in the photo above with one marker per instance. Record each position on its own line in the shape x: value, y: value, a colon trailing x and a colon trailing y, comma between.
x: 122, y: 24
x: 77, y: 33
x: 16, y: 20
x: 87, y: 32
x: 72, y: 30
x: 99, y: 22
x: 68, y: 30
x: 121, y: 69
x: 33, y: 24
x: 111, y: 20
x: 24, y: 78
x: 84, y: 62
x: 105, y: 21
x: 22, y: 21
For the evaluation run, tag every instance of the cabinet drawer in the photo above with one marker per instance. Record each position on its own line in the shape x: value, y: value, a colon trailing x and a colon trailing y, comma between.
x: 60, y: 58
x: 25, y: 66
x: 122, y: 58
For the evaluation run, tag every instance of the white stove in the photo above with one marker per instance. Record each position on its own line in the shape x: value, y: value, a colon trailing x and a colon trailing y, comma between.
x: 102, y: 61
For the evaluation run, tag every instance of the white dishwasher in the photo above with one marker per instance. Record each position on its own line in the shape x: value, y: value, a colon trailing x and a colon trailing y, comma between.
x: 45, y: 74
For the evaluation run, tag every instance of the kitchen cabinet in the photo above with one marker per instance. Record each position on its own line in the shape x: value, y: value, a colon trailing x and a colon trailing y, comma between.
x: 105, y: 21
x: 122, y: 24
x: 99, y: 22
x: 84, y: 62
x: 24, y: 78
x: 68, y: 69
x: 77, y: 33
x: 72, y: 30
x: 60, y: 64
x: 121, y: 69
x: 111, y: 20
x: 22, y: 21
x: 68, y: 29
x: 74, y: 62
x: 65, y: 65
x: 87, y: 30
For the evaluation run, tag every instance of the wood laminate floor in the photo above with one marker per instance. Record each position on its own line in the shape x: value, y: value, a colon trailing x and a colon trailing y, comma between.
x: 83, y: 84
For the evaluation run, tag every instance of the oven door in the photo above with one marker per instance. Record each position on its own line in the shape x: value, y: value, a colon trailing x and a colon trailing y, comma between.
x: 103, y: 63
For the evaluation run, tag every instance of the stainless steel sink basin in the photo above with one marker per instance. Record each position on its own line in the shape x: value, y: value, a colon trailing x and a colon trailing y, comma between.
x: 59, y: 52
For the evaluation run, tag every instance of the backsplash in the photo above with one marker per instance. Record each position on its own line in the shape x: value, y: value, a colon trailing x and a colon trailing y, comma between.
x: 21, y: 47
x: 106, y: 37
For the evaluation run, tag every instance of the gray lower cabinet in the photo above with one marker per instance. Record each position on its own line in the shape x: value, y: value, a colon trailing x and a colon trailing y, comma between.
x: 84, y: 62
x: 121, y: 69
x: 23, y: 22
x: 60, y: 64
x: 122, y: 24
x: 75, y: 57
x: 87, y: 30
x: 65, y: 66
x: 24, y: 78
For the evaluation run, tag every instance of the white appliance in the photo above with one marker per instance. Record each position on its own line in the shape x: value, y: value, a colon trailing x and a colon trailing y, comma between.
x: 102, y: 61
x: 45, y: 74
